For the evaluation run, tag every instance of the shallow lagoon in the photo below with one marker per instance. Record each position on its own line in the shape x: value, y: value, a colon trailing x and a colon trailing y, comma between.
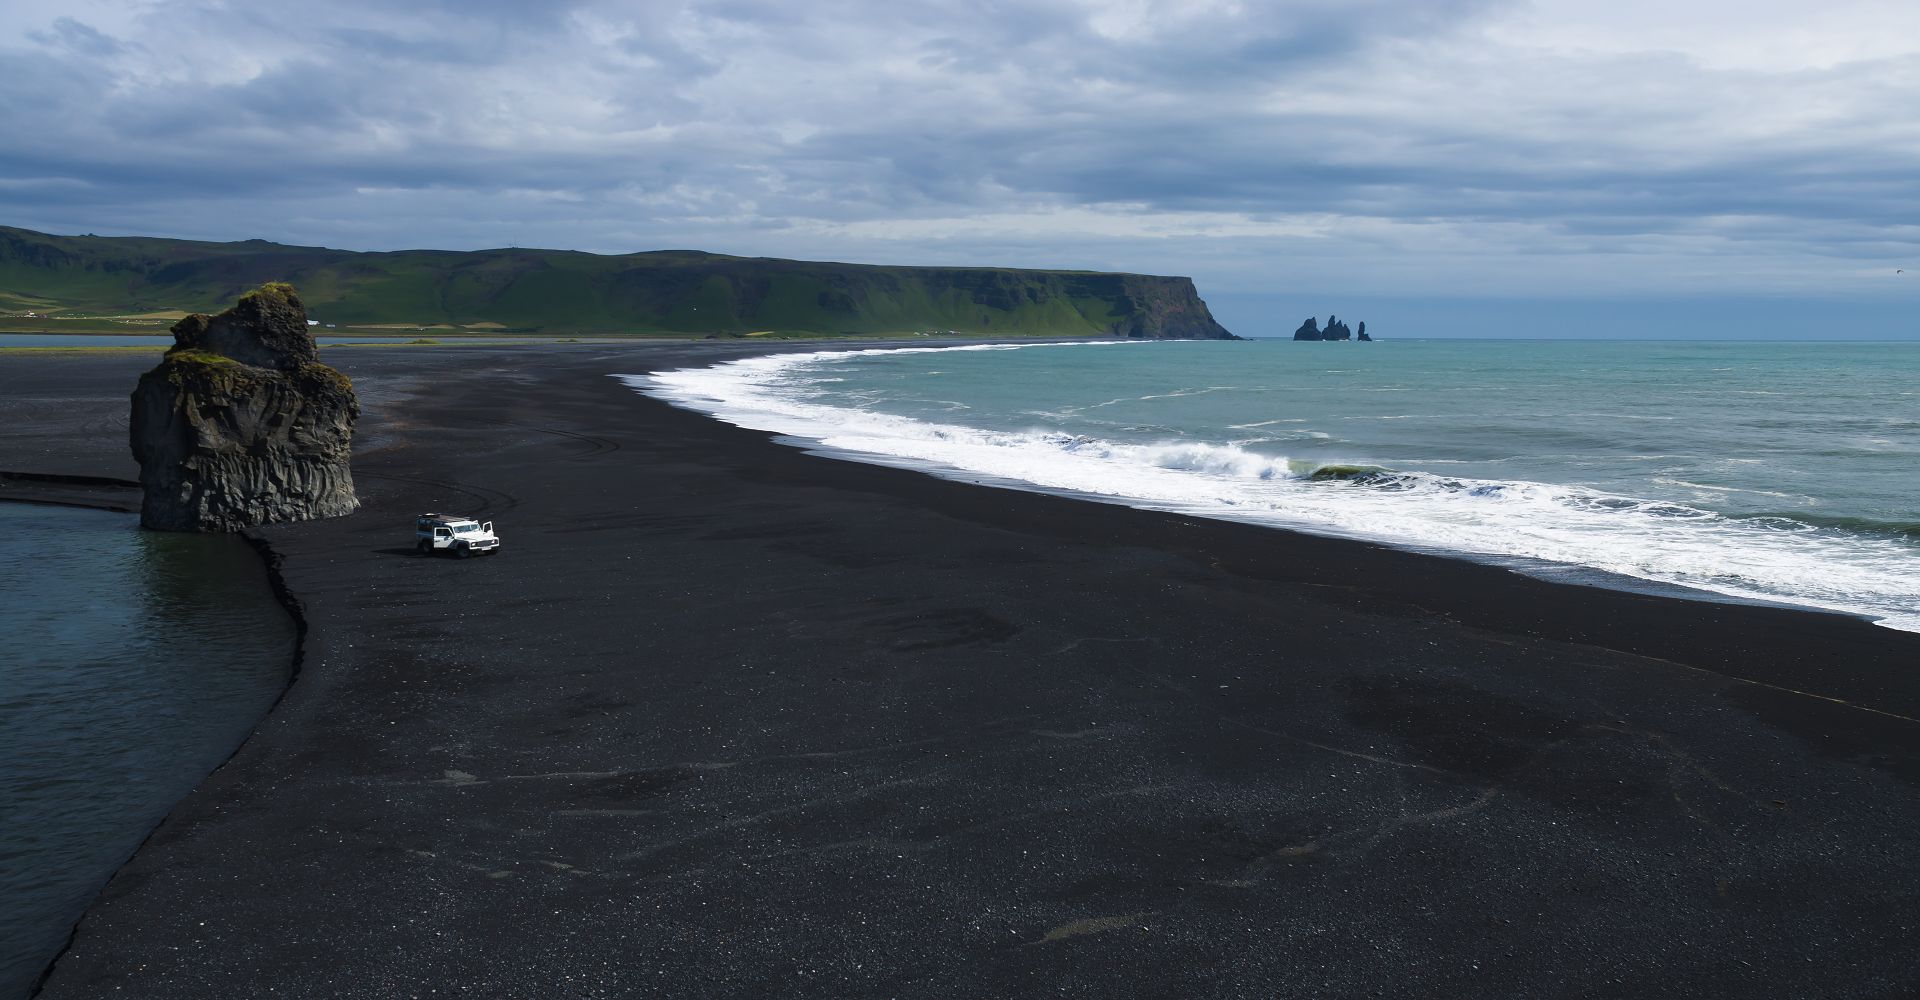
x: 133, y: 664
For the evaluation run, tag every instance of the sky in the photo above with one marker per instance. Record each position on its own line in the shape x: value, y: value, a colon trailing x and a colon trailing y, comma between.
x: 1632, y: 159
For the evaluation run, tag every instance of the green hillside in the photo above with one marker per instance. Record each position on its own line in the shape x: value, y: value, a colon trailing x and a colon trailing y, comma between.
x: 556, y: 291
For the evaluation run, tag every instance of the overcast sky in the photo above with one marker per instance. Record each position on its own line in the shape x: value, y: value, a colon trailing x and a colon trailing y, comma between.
x: 1572, y: 148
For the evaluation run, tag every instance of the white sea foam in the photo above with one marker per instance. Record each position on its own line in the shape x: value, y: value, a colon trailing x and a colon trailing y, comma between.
x: 1656, y: 541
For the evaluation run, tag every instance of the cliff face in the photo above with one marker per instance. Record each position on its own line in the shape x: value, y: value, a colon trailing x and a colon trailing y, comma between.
x: 1164, y: 309
x: 241, y: 425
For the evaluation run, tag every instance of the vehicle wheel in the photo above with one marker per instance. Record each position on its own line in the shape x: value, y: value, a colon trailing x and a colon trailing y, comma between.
x: 423, y: 548
x: 465, y: 552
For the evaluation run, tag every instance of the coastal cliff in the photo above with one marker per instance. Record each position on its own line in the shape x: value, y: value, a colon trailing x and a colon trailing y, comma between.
x: 1135, y: 306
x: 1164, y: 308
x: 241, y: 424
x: 551, y: 291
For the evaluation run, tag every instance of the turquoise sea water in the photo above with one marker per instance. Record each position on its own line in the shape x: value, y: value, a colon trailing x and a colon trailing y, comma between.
x: 1769, y: 471
x: 133, y: 663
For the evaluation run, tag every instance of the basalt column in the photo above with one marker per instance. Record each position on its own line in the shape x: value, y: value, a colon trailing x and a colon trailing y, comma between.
x: 241, y: 424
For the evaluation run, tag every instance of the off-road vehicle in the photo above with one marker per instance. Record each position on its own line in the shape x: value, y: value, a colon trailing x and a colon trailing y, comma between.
x: 461, y: 536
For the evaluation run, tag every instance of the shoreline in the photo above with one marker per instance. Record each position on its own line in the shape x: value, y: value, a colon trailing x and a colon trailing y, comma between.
x: 90, y: 492
x: 1544, y: 570
x: 1729, y: 560
x: 930, y: 609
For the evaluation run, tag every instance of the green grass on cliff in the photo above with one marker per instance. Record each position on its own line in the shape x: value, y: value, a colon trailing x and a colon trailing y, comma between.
x: 83, y: 280
x: 199, y: 357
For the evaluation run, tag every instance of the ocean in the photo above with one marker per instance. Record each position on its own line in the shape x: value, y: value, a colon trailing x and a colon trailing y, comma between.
x: 1775, y: 472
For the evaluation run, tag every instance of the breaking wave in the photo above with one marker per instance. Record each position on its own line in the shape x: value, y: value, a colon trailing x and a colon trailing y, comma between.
x: 1840, y: 565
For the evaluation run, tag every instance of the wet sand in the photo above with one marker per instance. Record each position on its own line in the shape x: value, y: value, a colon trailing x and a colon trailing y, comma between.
x: 728, y: 719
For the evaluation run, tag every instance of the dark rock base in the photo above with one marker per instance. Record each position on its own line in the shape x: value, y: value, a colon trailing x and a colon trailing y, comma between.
x: 225, y: 446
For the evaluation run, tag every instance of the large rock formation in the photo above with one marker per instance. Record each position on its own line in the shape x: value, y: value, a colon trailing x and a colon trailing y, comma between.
x: 1336, y: 329
x: 241, y: 424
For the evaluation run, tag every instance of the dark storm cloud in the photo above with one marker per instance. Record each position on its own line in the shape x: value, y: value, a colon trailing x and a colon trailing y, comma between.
x: 1168, y: 136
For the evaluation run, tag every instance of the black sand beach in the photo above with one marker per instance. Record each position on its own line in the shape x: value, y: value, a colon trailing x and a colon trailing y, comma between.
x: 728, y: 719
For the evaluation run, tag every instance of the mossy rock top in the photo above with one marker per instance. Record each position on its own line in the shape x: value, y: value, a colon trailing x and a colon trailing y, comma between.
x: 279, y: 291
x: 266, y: 328
x: 186, y: 368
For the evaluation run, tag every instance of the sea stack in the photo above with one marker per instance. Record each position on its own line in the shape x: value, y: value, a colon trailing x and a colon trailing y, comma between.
x: 241, y: 424
x: 1336, y: 329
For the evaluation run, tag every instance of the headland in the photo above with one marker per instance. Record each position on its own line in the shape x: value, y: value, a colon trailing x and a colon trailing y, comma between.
x: 729, y: 719
x: 126, y: 284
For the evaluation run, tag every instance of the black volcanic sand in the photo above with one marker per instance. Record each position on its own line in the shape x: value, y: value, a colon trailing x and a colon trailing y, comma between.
x: 728, y: 719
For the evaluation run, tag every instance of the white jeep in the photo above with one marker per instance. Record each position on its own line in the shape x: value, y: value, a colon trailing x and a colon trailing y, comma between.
x: 462, y: 536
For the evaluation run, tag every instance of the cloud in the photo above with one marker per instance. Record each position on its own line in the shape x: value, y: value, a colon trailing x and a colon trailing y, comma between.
x: 1496, y: 146
x: 77, y: 38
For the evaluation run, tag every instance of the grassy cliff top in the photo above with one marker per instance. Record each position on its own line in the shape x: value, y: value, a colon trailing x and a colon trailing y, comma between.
x: 557, y: 291
x: 266, y: 327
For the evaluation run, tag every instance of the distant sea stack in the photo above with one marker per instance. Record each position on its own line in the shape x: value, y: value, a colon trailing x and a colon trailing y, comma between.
x: 241, y: 424
x: 1336, y: 329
